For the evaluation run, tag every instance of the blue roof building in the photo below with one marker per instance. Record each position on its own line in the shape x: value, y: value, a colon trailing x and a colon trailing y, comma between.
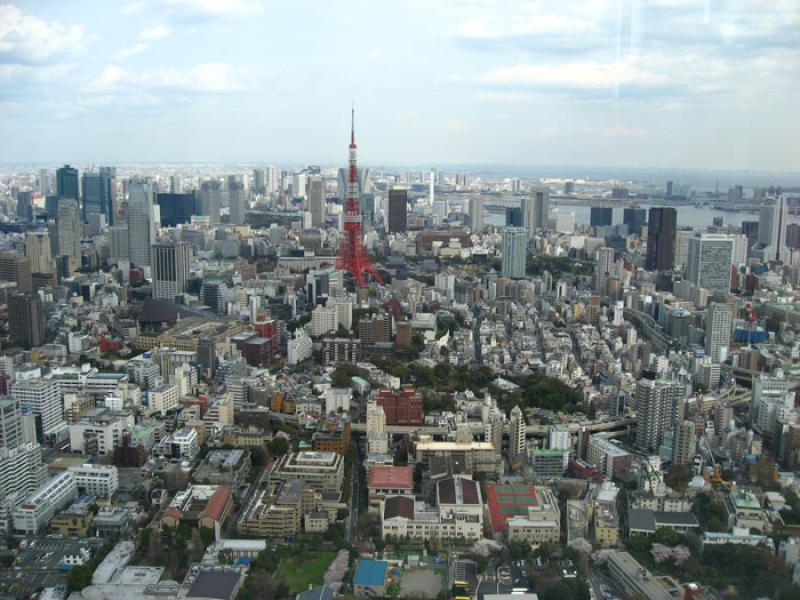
x: 370, y: 577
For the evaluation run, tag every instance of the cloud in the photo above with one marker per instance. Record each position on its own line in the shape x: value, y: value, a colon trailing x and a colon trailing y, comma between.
x: 455, y: 124
x: 503, y: 96
x: 616, y: 131
x: 212, y: 78
x: 29, y: 40
x: 133, y: 8
x: 591, y: 75
x: 194, y: 9
x: 156, y: 32
x: 146, y: 37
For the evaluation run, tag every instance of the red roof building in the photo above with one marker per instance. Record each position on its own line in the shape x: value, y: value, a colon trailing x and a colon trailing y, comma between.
x: 218, y: 508
x: 389, y: 481
x: 402, y: 407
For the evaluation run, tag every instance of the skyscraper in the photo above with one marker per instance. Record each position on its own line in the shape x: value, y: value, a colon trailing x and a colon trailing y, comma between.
x: 771, y: 244
x: 141, y: 226
x: 25, y: 206
x: 398, y: 210
x: 514, y: 216
x: 213, y: 294
x: 515, y: 252
x: 237, y: 203
x: 661, y: 228
x: 69, y: 231
x: 67, y: 183
x: 718, y: 331
x: 170, y: 269
x: 316, y: 200
x: 709, y: 262
x: 175, y: 209
x: 39, y: 252
x: 44, y: 400
x: 210, y: 200
x: 605, y: 264
x: 11, y: 434
x: 535, y: 209
x: 259, y: 181
x: 26, y: 319
x: 635, y: 219
x: 99, y: 192
x: 16, y: 268
x: 656, y: 401
x: 684, y: 443
x: 519, y: 428
x: 476, y: 213
x: 601, y: 216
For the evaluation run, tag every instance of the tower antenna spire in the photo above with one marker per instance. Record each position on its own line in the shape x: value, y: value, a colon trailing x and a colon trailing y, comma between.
x: 353, y: 123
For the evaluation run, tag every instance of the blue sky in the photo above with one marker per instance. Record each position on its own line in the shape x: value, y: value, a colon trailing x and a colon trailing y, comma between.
x: 666, y: 83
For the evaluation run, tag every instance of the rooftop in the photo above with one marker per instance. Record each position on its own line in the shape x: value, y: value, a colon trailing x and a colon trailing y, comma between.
x: 370, y: 572
x: 391, y: 477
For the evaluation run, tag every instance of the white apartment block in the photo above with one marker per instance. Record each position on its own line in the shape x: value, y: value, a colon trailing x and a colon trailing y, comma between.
x: 53, y: 495
x: 299, y: 348
x: 323, y: 321
x: 163, y: 398
x: 181, y: 444
x: 95, y: 480
x: 44, y: 399
x: 99, y: 433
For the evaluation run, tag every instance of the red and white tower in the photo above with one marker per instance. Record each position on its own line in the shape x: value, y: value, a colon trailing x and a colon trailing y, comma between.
x: 353, y: 255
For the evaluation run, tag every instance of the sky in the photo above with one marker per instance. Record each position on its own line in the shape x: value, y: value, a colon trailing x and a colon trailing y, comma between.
x: 710, y: 84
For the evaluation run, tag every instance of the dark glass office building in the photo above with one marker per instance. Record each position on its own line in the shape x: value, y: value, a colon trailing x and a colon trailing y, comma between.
x: 601, y: 216
x: 398, y: 210
x: 98, y: 194
x: 661, y: 231
x: 67, y: 183
x: 514, y: 216
x: 175, y: 208
x: 635, y: 219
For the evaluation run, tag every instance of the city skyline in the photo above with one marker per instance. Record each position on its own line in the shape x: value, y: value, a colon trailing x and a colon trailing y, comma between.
x: 667, y: 85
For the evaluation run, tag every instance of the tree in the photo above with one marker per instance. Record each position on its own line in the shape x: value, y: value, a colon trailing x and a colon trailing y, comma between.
x: 79, y: 577
x: 678, y: 477
x: 519, y: 550
x: 278, y: 446
x: 399, y: 370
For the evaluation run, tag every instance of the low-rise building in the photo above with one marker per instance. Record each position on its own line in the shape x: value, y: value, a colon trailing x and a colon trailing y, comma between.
x: 609, y: 457
x: 323, y: 471
x: 402, y: 517
x: 605, y: 521
x: 92, y: 479
x: 642, y: 521
x: 549, y: 463
x: 389, y: 481
x: 224, y: 467
x: 477, y: 456
x: 182, y: 444
x: 37, y: 509
x: 635, y: 580
x: 742, y: 509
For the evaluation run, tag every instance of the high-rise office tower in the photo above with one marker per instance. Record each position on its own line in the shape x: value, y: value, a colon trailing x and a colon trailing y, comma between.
x: 11, y: 434
x: 514, y: 216
x: 656, y: 401
x: 316, y: 200
x: 16, y: 268
x: 750, y: 229
x: 771, y: 244
x: 661, y: 228
x: 709, y: 262
x: 601, y: 216
x: 45, y: 182
x: 367, y: 204
x: 39, y: 252
x: 119, y: 242
x: 210, y: 200
x: 141, y: 225
x: 67, y: 183
x: 213, y: 294
x: 605, y: 264
x: 684, y: 443
x: 26, y: 319
x: 170, y: 269
x: 44, y: 400
x: 535, y: 209
x: 476, y: 214
x: 515, y: 252
x: 207, y: 355
x: 99, y: 193
x: 237, y: 203
x: 519, y: 428
x: 273, y: 180
x: 176, y: 208
x: 259, y: 181
x: 635, y: 219
x: 175, y: 184
x: 69, y: 231
x: 718, y: 331
x: 25, y: 206
x: 397, y: 221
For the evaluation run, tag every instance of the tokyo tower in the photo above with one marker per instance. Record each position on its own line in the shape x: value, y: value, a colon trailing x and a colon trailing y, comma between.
x: 353, y: 255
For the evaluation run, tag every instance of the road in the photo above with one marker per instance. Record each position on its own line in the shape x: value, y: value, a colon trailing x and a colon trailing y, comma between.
x: 245, y: 502
x: 596, y: 580
x: 355, y: 475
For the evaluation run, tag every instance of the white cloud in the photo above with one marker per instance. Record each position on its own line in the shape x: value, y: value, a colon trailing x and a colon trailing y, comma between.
x: 212, y: 78
x: 592, y: 75
x: 133, y: 8
x: 156, y: 32
x: 534, y: 25
x: 455, y: 124
x: 26, y: 39
x: 217, y: 8
x: 131, y: 51
x: 617, y: 131
x: 503, y: 96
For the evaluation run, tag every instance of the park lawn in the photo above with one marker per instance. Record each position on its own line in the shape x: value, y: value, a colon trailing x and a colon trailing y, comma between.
x: 298, y: 572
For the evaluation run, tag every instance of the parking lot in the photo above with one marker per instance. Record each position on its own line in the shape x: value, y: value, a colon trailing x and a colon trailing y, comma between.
x: 36, y: 566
